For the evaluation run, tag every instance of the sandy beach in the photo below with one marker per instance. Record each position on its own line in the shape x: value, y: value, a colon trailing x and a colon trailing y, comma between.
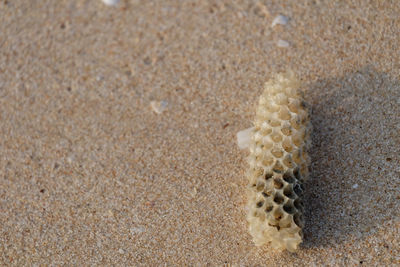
x: 118, y: 130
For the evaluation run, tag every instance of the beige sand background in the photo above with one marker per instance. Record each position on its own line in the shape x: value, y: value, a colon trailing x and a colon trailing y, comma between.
x: 90, y: 175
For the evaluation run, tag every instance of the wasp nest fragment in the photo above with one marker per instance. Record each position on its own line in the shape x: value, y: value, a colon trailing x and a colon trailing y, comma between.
x: 278, y: 164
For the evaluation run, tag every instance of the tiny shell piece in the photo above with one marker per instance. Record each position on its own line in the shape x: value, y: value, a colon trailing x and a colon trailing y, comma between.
x: 282, y: 43
x: 110, y: 2
x: 158, y: 106
x: 278, y: 165
x: 244, y: 138
x: 282, y: 20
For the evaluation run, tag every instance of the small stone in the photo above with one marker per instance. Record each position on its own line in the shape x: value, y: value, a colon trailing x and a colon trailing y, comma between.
x: 282, y: 20
x: 282, y: 43
x: 110, y: 2
x: 355, y: 186
x: 159, y: 106
x: 244, y: 138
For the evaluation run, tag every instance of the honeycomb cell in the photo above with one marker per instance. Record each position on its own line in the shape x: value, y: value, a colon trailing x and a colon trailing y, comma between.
x: 287, y: 129
x: 284, y: 113
x: 288, y: 162
x: 278, y: 199
x: 287, y: 145
x: 278, y: 184
x: 276, y: 137
x: 288, y: 177
x: 278, y: 168
x: 279, y: 148
x: 277, y: 152
x: 289, y: 208
x: 288, y: 192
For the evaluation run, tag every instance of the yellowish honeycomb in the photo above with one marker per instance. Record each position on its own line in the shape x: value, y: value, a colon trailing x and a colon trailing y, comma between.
x: 278, y: 164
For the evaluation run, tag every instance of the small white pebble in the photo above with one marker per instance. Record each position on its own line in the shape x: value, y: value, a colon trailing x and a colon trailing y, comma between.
x: 136, y: 230
x: 158, y: 106
x: 121, y: 251
x: 355, y: 186
x: 282, y: 20
x: 244, y: 138
x: 110, y: 2
x: 282, y: 43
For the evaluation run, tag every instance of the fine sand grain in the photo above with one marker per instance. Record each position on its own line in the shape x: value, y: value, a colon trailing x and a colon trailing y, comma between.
x: 91, y: 175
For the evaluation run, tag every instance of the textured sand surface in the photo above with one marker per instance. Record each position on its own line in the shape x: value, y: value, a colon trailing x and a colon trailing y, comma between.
x: 91, y: 175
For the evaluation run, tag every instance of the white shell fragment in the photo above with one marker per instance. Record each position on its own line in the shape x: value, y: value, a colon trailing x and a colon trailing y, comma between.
x: 244, y: 138
x: 110, y: 2
x: 282, y: 20
x: 158, y: 106
x: 282, y: 43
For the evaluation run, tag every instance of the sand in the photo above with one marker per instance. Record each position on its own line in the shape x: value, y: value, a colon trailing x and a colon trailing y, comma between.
x: 91, y: 175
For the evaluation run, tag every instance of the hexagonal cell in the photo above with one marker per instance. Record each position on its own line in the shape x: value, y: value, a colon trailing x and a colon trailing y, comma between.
x: 268, y: 175
x: 288, y: 177
x: 268, y: 160
x: 296, y: 156
x: 288, y: 162
x: 269, y: 208
x: 297, y: 141
x: 278, y: 199
x: 277, y: 152
x: 298, y: 190
x: 287, y: 129
x: 287, y: 145
x: 281, y: 99
x: 298, y: 204
x: 278, y: 168
x: 294, y: 105
x: 298, y: 220
x: 276, y: 137
x: 288, y: 192
x: 295, y: 122
x: 284, y: 113
x: 289, y: 208
x: 272, y: 107
x: 278, y: 214
x: 278, y: 184
x: 266, y: 143
x: 260, y: 186
x: 274, y: 123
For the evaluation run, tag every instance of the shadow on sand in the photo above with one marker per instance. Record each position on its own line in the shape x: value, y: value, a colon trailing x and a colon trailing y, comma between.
x: 355, y: 156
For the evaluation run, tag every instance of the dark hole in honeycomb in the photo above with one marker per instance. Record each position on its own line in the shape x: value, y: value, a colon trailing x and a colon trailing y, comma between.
x: 278, y: 199
x: 278, y: 168
x: 297, y: 189
x: 278, y: 216
x: 277, y: 226
x: 269, y: 208
x: 278, y: 184
x: 296, y: 173
x: 260, y: 186
x: 297, y: 220
x: 259, y: 204
x: 268, y: 175
x: 289, y: 208
x: 298, y: 204
x: 302, y: 187
x: 288, y: 177
x: 266, y: 194
x: 301, y: 234
x: 288, y: 191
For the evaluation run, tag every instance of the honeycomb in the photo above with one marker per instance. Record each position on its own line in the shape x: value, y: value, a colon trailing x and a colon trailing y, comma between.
x: 278, y: 164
